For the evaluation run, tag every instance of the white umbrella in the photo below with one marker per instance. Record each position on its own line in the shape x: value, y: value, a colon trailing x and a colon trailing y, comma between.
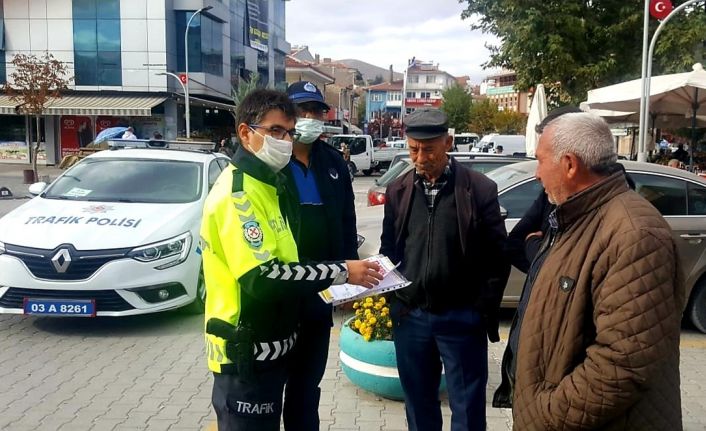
x: 538, y: 110
x: 675, y: 94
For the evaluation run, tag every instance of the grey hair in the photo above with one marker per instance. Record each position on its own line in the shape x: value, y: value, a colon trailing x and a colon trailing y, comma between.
x: 588, y: 137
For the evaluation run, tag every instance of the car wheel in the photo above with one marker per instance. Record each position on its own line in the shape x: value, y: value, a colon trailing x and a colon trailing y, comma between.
x: 199, y: 304
x: 367, y: 172
x: 697, y: 306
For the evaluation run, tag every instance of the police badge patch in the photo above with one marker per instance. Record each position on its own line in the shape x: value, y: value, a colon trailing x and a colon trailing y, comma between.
x: 253, y: 233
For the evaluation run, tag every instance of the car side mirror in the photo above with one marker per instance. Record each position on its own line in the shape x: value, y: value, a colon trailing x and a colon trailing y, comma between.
x: 37, y: 188
x: 503, y: 213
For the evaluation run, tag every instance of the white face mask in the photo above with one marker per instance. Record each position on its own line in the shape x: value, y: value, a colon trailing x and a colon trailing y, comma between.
x: 309, y: 129
x: 275, y: 153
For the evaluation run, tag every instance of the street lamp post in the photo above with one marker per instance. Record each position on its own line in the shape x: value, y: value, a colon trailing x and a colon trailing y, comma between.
x: 187, y: 111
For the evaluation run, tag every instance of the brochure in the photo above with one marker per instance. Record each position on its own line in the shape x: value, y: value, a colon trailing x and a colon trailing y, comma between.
x: 392, y: 280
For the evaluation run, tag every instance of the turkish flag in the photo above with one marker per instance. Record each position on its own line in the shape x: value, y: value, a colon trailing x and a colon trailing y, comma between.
x: 660, y: 9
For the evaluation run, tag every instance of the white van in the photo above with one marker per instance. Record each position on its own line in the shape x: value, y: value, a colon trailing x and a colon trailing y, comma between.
x: 463, y: 142
x: 512, y: 144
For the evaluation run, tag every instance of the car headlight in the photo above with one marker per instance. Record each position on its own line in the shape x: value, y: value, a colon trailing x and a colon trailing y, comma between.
x: 176, y: 248
x: 2, y: 247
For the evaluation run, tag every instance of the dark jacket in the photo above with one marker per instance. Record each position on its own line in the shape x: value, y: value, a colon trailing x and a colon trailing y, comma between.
x: 522, y: 252
x: 334, y: 183
x: 599, y: 341
x: 480, y: 229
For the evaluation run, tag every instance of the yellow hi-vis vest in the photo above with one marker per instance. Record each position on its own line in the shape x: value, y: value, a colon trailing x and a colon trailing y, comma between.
x: 239, y: 231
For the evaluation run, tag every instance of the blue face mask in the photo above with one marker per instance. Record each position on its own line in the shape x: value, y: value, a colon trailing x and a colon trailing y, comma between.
x: 309, y: 129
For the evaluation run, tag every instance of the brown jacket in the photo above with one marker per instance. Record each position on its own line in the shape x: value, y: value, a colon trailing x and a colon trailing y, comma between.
x: 599, y: 343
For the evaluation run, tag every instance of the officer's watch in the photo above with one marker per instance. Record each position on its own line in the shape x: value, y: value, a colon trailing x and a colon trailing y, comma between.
x: 342, y: 276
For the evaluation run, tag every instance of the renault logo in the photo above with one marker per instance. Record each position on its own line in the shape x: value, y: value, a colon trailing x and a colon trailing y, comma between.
x: 61, y: 261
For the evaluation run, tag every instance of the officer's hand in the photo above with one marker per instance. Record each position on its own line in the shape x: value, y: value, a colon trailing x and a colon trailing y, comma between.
x: 363, y: 273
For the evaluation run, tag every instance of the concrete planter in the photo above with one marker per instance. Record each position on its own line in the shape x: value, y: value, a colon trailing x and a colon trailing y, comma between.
x: 371, y: 365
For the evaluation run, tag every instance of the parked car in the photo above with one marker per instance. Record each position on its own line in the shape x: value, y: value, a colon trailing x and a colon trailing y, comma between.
x: 679, y: 195
x: 366, y: 156
x: 401, y: 164
x: 117, y: 234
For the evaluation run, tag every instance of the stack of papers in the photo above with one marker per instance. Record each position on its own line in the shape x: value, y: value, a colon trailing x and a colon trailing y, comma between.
x: 392, y: 280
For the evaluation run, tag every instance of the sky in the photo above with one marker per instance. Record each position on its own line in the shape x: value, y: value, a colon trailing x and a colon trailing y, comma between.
x: 384, y: 32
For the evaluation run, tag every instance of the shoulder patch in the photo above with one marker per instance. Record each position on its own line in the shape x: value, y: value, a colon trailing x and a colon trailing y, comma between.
x: 252, y: 232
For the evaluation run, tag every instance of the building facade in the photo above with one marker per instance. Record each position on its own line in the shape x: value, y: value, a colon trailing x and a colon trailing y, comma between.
x: 424, y: 85
x: 118, y: 52
x: 500, y: 88
x: 383, y: 99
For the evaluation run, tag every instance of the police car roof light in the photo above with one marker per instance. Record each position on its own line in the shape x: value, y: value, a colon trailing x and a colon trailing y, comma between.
x: 200, y: 146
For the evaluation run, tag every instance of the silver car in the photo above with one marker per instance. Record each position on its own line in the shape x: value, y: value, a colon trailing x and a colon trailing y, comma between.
x: 679, y: 195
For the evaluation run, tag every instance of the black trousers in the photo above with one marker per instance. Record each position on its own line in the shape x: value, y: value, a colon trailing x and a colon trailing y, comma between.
x: 254, y: 404
x: 307, y: 364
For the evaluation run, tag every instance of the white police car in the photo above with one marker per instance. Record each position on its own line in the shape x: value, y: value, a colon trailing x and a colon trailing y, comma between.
x: 115, y: 235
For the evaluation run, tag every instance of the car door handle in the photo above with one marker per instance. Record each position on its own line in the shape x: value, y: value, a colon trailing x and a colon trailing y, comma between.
x: 693, y: 235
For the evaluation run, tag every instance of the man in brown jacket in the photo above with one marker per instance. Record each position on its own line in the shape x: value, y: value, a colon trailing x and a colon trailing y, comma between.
x: 598, y: 344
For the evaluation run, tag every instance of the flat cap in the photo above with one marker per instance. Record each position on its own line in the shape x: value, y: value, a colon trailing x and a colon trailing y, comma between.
x: 426, y: 123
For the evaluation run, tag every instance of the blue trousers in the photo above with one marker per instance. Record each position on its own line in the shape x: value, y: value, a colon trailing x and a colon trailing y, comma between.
x: 423, y: 341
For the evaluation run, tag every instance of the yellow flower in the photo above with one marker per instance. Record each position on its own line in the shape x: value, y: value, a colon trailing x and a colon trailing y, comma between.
x: 357, y: 323
x: 369, y: 299
x: 382, y: 300
x: 359, y: 312
x: 372, y: 321
x: 356, y: 305
x: 389, y: 323
x: 368, y: 305
x: 378, y: 306
x: 366, y: 337
x: 385, y: 310
x: 368, y: 312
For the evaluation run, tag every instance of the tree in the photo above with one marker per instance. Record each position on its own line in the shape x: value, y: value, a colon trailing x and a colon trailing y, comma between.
x: 457, y: 106
x: 34, y: 84
x: 242, y: 86
x: 510, y: 122
x: 482, y: 115
x: 361, y: 108
x: 578, y: 45
x: 377, y: 80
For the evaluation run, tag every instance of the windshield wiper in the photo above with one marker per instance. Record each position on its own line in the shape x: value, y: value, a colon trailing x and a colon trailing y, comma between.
x: 72, y: 177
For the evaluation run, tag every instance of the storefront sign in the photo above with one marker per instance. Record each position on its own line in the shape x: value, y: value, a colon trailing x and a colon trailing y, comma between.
x: 415, y: 102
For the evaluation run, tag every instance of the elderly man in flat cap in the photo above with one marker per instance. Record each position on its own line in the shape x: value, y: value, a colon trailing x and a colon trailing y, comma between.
x: 443, y: 225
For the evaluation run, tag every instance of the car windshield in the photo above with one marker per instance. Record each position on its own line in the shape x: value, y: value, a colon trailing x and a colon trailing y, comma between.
x: 129, y: 180
x: 395, y: 171
x: 509, y: 174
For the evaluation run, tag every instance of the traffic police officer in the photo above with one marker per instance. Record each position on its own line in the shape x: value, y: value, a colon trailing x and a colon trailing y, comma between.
x: 253, y: 280
x: 327, y: 231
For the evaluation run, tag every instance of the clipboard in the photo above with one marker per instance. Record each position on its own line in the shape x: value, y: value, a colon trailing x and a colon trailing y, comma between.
x: 392, y: 280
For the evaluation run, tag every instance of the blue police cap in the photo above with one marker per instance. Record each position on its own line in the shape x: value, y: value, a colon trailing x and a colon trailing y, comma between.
x: 305, y: 91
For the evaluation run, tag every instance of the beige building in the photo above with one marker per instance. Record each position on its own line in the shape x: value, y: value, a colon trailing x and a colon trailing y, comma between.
x: 500, y: 88
x: 335, y: 80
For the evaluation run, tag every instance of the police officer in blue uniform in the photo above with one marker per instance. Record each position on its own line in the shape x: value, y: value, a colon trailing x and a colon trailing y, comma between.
x: 326, y: 231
